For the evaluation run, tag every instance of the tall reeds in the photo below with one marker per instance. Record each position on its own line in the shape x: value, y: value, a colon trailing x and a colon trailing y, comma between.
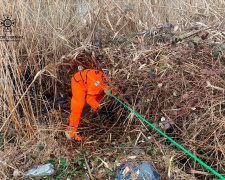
x: 29, y: 68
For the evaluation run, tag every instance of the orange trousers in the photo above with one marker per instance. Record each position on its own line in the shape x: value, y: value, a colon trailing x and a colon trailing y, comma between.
x: 78, y: 101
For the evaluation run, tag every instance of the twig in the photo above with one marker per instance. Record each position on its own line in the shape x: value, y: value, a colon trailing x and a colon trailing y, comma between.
x: 89, y: 171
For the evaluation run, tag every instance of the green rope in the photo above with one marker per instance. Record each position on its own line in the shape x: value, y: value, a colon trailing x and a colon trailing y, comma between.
x: 174, y: 142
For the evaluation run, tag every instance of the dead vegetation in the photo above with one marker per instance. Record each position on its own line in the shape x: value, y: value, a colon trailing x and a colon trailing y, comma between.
x: 168, y: 58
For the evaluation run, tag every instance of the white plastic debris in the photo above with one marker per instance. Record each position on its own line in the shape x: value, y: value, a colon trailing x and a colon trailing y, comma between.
x: 16, y: 173
x: 117, y: 163
x: 132, y: 157
x: 176, y: 28
x: 138, y: 172
x: 161, y: 125
x: 87, y: 177
x: 163, y: 118
x: 44, y: 170
x: 160, y: 85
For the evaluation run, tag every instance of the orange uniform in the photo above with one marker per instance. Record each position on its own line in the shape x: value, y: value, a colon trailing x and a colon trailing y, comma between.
x: 85, y: 84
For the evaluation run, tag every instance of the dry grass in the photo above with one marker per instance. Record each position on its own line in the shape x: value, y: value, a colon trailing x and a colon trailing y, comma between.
x: 35, y: 73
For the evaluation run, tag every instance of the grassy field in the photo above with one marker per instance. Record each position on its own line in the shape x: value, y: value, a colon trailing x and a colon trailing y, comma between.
x: 168, y: 56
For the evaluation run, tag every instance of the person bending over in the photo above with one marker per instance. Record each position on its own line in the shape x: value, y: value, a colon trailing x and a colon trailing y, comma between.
x: 85, y: 85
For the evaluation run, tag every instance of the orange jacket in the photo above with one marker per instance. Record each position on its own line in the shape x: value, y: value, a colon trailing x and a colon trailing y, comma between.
x: 90, y: 79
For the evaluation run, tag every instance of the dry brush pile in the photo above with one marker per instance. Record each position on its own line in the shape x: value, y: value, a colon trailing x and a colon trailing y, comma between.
x: 168, y: 58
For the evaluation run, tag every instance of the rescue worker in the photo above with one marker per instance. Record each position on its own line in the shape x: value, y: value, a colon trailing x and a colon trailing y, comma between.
x: 85, y: 85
